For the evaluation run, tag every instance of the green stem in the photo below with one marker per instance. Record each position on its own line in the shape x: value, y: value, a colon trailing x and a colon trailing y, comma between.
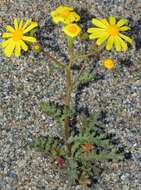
x: 76, y: 81
x: 68, y: 96
x: 83, y: 57
x: 67, y: 108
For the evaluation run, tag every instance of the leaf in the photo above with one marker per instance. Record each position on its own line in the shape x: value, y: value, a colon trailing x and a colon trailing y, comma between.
x: 72, y: 170
x: 102, y: 156
x: 52, y: 111
x: 53, y: 67
x: 86, y: 78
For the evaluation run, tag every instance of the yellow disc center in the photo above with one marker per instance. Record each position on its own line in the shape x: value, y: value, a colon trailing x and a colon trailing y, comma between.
x: 108, y: 63
x: 72, y: 29
x: 113, y: 30
x: 17, y: 35
x: 65, y: 13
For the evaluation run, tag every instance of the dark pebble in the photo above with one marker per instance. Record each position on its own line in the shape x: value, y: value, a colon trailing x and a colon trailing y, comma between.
x: 127, y: 155
x: 138, y: 42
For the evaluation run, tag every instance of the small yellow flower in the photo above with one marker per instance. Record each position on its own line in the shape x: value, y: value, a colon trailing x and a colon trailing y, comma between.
x: 64, y: 15
x: 16, y: 38
x: 36, y: 47
x: 110, y: 31
x: 109, y: 63
x: 71, y: 30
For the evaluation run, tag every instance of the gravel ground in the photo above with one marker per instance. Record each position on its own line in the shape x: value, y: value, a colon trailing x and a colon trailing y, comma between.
x: 26, y: 81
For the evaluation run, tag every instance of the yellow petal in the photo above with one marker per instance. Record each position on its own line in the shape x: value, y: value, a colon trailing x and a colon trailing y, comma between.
x: 6, y: 42
x: 32, y: 25
x: 124, y: 28
x: 23, y: 45
x: 26, y: 24
x: 67, y: 20
x: 16, y: 24
x: 104, y: 21
x: 112, y: 20
x: 17, y: 49
x: 10, y: 28
x: 29, y: 39
x: 102, y: 39
x: 21, y: 24
x: 110, y: 43
x: 90, y: 30
x: 117, y: 44
x: 98, y: 23
x: 74, y: 17
x: 56, y: 20
x: 123, y: 44
x: 7, y: 35
x: 53, y: 13
x: 121, y: 22
x: 9, y: 49
x: 96, y: 33
x: 92, y: 36
x: 126, y: 38
x: 95, y: 30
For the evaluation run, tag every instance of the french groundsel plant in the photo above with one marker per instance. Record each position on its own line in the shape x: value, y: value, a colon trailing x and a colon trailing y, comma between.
x: 84, y: 140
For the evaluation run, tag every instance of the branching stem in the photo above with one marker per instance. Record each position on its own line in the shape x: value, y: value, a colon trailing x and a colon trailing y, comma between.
x: 53, y: 59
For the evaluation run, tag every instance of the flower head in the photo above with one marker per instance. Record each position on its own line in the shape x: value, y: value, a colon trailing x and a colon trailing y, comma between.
x: 15, y: 38
x: 109, y: 63
x: 110, y: 31
x: 64, y: 15
x: 71, y: 30
x: 36, y: 47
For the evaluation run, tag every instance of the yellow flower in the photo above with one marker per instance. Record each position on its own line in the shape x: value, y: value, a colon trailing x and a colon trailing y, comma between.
x: 110, y: 32
x: 65, y: 15
x: 36, y: 47
x: 71, y: 30
x: 109, y: 63
x: 15, y: 38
